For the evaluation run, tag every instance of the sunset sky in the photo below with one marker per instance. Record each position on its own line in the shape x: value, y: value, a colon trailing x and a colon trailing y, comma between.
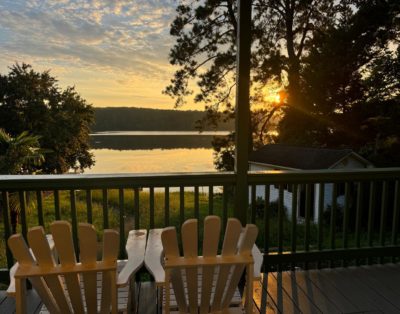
x: 115, y: 52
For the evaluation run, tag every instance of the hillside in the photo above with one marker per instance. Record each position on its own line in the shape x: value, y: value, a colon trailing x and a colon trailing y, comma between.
x: 143, y: 119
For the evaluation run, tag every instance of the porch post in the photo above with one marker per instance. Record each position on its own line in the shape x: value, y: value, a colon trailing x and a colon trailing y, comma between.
x: 242, y: 109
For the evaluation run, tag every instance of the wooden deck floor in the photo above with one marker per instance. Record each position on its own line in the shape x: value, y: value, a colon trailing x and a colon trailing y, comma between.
x: 366, y: 289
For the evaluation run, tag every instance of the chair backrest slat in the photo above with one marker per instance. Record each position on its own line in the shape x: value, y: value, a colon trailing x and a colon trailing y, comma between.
x: 88, y: 255
x: 171, y: 249
x: 22, y: 254
x: 110, y: 253
x: 229, y: 248
x: 44, y: 258
x: 64, y: 285
x: 224, y: 271
x: 212, y: 229
x: 62, y: 235
x: 190, y: 249
x: 244, y: 248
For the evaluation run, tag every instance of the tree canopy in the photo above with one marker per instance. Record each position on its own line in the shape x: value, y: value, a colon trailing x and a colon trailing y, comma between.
x: 32, y: 101
x: 327, y: 56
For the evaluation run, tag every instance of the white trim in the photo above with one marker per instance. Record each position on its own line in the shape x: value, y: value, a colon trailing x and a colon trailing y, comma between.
x: 272, y: 166
x: 355, y: 156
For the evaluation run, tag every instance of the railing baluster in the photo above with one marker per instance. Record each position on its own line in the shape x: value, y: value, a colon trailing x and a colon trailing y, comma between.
x: 346, y: 215
x: 105, y: 209
x: 166, y: 205
x: 225, y: 207
x: 371, y: 216
x: 74, y: 220
x: 253, y: 204
x: 266, y: 218
x: 360, y: 194
x: 22, y: 203
x: 280, y: 219
x: 321, y: 202
x: 280, y: 222
x: 307, y: 222
x: 89, y: 206
x: 182, y: 204
x: 332, y: 231
x: 346, y: 219
x: 383, y: 216
x: 122, y: 253
x: 396, y: 209
x: 210, y: 200
x: 196, y: 202
x: 371, y: 213
x: 39, y: 200
x: 151, y: 207
x: 7, y: 229
x: 136, y: 209
x: 57, y: 204
x: 294, y: 221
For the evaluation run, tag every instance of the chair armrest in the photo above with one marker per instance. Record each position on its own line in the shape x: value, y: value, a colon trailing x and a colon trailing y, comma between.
x: 154, y: 255
x: 13, y: 269
x: 258, y: 261
x: 135, y: 248
x: 257, y: 256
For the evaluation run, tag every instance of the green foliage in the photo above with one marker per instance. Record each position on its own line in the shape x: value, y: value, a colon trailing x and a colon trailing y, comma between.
x: 335, y: 59
x: 224, y: 149
x: 20, y: 154
x: 32, y: 101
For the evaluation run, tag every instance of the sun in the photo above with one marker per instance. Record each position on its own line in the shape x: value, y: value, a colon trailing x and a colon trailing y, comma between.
x: 275, y: 96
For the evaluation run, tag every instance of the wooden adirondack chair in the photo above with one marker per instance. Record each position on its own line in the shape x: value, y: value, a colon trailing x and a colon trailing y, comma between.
x: 68, y: 286
x: 207, y: 284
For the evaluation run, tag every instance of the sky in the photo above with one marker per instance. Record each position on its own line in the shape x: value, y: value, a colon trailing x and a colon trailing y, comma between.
x: 115, y: 52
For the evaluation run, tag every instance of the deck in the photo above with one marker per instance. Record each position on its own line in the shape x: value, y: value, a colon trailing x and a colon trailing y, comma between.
x: 364, y: 289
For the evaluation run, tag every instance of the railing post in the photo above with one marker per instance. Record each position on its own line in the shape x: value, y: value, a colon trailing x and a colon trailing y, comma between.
x: 243, y: 134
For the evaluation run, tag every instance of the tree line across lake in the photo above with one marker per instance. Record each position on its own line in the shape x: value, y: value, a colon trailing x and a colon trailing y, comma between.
x: 144, y: 119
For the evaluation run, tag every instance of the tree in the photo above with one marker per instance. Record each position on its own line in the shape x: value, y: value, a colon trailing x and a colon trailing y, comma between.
x: 32, y: 101
x: 19, y: 155
x: 333, y: 76
x: 316, y: 51
x: 205, y: 48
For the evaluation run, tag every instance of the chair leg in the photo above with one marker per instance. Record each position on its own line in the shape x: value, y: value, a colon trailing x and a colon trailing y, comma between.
x: 20, y: 287
x: 249, y: 289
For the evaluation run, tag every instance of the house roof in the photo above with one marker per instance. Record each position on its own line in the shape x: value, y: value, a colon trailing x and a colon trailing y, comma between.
x: 304, y: 158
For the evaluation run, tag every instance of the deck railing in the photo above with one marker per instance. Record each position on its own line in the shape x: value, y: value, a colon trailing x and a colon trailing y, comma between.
x: 306, y: 218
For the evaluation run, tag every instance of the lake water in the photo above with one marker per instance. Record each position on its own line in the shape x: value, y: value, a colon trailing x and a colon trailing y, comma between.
x: 141, y: 152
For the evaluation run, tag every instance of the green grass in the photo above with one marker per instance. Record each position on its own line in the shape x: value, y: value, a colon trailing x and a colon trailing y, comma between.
x: 159, y: 218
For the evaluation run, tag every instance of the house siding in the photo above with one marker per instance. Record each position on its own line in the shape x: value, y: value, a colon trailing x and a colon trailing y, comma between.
x: 347, y: 163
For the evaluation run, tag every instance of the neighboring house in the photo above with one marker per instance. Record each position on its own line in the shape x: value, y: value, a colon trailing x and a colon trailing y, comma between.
x: 284, y: 157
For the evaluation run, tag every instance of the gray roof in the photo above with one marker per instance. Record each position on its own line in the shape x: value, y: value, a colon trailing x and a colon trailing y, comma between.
x: 304, y: 158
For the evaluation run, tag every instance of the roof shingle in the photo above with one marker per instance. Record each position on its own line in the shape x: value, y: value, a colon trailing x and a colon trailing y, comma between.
x: 304, y: 158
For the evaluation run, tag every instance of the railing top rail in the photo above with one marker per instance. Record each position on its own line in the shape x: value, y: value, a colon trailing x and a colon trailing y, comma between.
x: 92, y: 181
x: 326, y: 175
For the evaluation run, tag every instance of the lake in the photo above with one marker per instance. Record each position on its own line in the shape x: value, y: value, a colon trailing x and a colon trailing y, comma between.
x: 155, y: 151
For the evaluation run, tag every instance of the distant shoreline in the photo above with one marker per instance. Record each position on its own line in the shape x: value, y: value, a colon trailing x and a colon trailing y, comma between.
x: 159, y: 133
x: 151, y: 120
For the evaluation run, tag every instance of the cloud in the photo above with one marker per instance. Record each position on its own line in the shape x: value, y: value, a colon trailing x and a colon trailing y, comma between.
x: 112, y: 36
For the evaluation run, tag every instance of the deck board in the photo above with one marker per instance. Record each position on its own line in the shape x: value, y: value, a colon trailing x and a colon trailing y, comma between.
x: 297, y: 294
x: 364, y: 289
x: 314, y: 294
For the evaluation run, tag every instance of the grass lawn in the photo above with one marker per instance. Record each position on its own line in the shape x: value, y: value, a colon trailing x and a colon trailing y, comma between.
x: 159, y: 216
